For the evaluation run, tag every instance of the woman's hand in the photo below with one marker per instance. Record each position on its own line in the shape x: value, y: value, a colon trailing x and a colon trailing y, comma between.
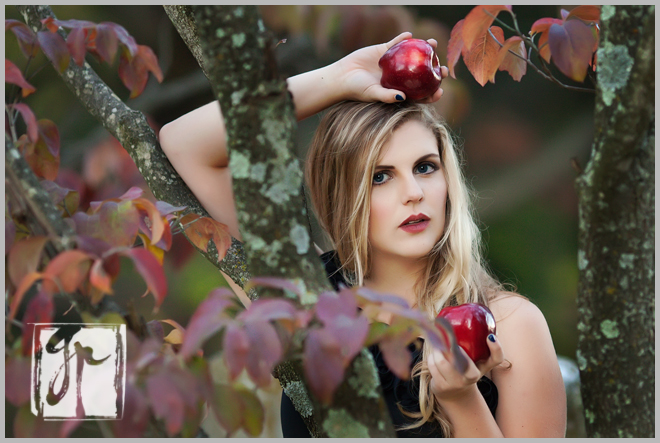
x: 447, y: 384
x: 360, y: 74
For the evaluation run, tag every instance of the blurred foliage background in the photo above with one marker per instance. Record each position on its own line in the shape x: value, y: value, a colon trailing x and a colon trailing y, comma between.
x: 518, y: 139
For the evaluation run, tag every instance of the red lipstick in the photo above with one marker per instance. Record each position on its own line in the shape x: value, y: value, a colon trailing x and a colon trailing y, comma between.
x: 415, y: 223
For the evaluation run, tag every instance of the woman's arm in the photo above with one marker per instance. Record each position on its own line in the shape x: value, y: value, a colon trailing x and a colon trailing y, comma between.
x: 531, y: 395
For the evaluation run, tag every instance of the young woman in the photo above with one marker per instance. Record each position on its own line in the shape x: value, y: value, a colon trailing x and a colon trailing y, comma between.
x: 387, y: 188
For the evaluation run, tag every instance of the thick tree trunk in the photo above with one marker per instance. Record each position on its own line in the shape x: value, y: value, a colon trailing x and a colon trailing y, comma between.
x: 267, y: 179
x: 616, y: 258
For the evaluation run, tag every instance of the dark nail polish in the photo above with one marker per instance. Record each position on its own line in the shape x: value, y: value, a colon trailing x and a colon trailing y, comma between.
x: 398, y: 97
x: 491, y: 337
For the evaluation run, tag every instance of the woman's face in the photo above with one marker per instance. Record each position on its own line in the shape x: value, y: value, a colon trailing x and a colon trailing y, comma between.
x: 408, y: 181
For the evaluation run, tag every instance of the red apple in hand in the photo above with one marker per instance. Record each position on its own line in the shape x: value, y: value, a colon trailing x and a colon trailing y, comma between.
x: 411, y: 66
x: 472, y: 323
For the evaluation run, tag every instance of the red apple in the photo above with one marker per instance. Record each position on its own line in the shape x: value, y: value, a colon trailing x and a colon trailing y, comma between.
x: 472, y: 323
x: 411, y: 66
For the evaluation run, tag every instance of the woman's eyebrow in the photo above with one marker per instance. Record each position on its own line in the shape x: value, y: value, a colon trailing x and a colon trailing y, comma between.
x: 422, y: 158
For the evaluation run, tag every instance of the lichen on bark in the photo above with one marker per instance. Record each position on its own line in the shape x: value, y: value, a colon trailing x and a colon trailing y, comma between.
x: 616, y: 328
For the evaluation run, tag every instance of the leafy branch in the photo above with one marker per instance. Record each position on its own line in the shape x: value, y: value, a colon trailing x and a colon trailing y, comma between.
x: 570, y: 42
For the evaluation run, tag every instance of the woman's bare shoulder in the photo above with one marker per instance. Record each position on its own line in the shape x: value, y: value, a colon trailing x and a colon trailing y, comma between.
x: 505, y: 305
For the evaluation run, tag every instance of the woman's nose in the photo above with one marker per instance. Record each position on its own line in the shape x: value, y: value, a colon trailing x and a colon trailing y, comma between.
x: 412, y: 190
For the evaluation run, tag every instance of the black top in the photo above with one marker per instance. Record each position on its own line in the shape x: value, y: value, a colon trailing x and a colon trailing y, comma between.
x: 396, y: 391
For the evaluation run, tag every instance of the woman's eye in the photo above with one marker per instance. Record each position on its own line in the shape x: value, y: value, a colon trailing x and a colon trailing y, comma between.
x: 426, y: 168
x: 379, y: 178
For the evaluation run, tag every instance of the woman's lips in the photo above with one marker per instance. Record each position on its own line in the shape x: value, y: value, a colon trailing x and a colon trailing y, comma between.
x: 415, y: 227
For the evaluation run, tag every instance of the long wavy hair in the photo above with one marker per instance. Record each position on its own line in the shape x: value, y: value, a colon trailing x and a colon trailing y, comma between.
x: 339, y: 169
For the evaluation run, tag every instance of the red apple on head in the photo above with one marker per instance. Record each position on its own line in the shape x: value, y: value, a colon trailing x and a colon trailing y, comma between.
x: 412, y: 67
x: 472, y: 323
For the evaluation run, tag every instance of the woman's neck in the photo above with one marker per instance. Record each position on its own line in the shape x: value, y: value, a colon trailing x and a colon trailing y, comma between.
x: 393, y: 275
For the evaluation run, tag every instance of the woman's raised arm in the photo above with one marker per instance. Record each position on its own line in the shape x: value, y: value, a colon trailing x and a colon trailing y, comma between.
x: 196, y: 145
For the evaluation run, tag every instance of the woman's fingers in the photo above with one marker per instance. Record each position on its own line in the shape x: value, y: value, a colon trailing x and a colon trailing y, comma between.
x: 444, y: 72
x: 496, y: 354
x: 399, y: 38
x: 433, y: 42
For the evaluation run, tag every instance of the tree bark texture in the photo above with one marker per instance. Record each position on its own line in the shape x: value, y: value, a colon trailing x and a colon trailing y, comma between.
x: 130, y: 127
x: 616, y: 257
x: 267, y: 180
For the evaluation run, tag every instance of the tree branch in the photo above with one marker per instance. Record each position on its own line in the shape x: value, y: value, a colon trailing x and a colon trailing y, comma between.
x: 130, y: 127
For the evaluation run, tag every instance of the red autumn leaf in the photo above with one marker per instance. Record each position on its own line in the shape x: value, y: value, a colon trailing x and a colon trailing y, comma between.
x: 150, y: 270
x: 331, y: 305
x: 379, y: 298
x: 482, y: 58
x: 166, y: 402
x: 202, y: 229
x: 165, y: 208
x: 106, y: 42
x: 508, y: 62
x: 477, y: 23
x: 455, y: 47
x: 50, y: 136
x: 265, y: 351
x: 135, y: 418
x: 40, y: 309
x: 53, y: 24
x: 396, y: 354
x: 150, y: 61
x: 134, y: 71
x: 70, y: 268
x: 75, y: 43
x: 24, y: 258
x: 571, y: 45
x: 124, y: 37
x: 30, y: 121
x: 209, y: 318
x: 350, y: 333
x: 132, y: 193
x: 17, y: 380
x: 67, y: 199
x: 14, y: 76
x: 55, y: 49
x: 543, y: 26
x: 114, y: 223
x: 118, y: 223
x: 588, y: 13
x: 38, y: 155
x: 27, y: 40
x: 99, y: 278
x: 235, y: 348
x: 22, y: 288
x: 323, y: 364
x: 157, y: 222
x: 264, y: 310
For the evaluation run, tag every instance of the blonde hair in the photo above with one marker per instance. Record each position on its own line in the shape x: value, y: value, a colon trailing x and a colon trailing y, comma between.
x: 339, y: 170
